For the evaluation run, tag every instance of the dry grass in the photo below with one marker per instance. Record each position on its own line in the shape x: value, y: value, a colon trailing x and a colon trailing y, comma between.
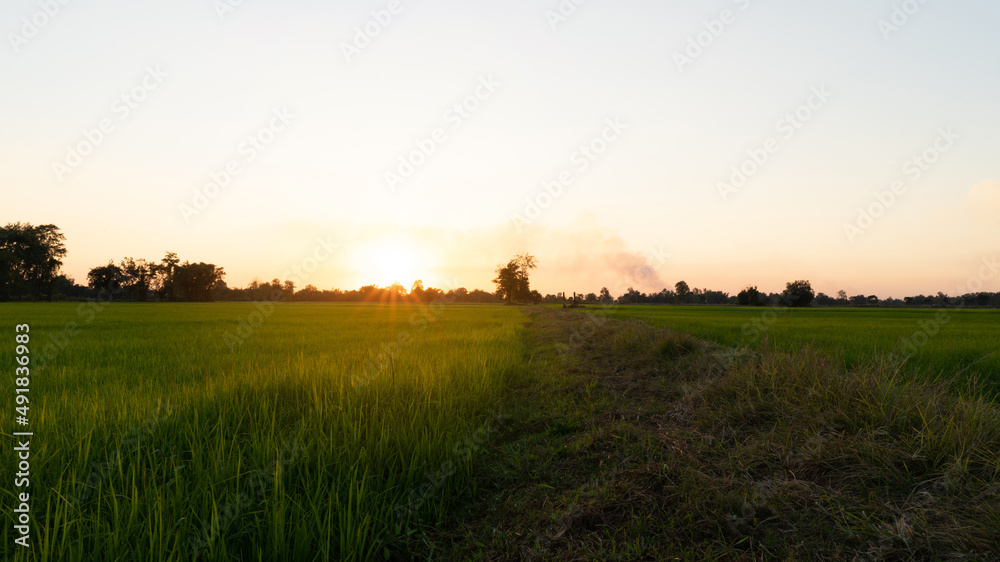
x: 641, y: 443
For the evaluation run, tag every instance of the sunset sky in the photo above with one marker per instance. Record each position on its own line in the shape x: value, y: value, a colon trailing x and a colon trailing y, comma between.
x: 305, y: 119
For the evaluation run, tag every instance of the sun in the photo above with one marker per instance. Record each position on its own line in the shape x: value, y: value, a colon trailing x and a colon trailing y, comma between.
x: 391, y: 260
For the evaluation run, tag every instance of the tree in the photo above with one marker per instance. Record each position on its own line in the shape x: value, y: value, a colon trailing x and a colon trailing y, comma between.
x: 682, y: 291
x: 798, y: 294
x: 823, y: 299
x: 66, y: 288
x: 109, y: 278
x: 166, y: 271
x: 196, y: 281
x: 749, y: 297
x: 431, y: 294
x: 481, y: 296
x: 138, y: 275
x: 714, y: 297
x: 30, y: 258
x: 632, y: 296
x: 665, y: 296
x: 512, y: 279
x: 308, y: 293
x: 395, y: 291
x: 417, y: 290
x: 606, y: 295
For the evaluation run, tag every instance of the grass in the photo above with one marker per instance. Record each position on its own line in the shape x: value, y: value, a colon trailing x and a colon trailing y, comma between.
x: 365, y: 432
x: 154, y: 440
x: 641, y: 443
x: 933, y: 345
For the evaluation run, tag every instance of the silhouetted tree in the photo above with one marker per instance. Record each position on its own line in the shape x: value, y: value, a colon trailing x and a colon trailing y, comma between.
x: 605, y: 295
x: 481, y: 296
x: 138, y: 275
x: 798, y: 294
x: 308, y: 293
x: 682, y: 291
x: 632, y: 296
x: 417, y: 290
x: 823, y: 299
x: 109, y: 278
x: 196, y: 281
x: 749, y: 296
x: 512, y: 279
x: 166, y: 272
x: 30, y: 258
x: 714, y: 297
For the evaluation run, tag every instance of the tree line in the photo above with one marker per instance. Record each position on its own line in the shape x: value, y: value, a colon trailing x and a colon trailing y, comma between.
x: 167, y: 280
x: 796, y: 294
x: 31, y: 259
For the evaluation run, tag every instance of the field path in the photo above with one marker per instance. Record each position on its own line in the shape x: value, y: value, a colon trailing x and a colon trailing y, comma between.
x: 637, y: 443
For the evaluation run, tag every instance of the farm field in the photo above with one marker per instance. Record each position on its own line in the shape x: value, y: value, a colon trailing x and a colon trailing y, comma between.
x: 235, y: 431
x: 967, y: 339
x: 319, y: 432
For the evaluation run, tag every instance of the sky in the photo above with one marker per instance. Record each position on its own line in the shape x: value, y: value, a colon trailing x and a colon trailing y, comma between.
x: 631, y: 143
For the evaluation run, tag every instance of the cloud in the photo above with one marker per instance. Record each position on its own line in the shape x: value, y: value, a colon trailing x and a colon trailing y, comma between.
x: 585, y: 256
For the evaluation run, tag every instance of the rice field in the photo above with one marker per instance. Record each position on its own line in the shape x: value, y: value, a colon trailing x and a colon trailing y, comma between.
x: 934, y: 343
x: 241, y: 431
x: 235, y: 432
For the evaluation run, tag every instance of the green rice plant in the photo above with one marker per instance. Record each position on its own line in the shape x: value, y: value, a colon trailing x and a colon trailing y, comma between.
x: 156, y: 439
x: 960, y: 345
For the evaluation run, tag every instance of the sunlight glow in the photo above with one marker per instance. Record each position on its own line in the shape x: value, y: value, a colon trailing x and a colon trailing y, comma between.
x: 391, y: 260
